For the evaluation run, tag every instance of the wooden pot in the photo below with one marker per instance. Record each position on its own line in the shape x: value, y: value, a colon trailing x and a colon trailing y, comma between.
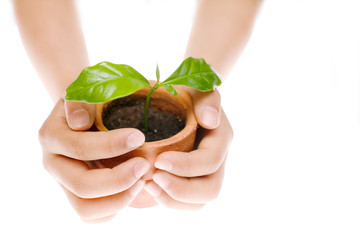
x: 182, y: 141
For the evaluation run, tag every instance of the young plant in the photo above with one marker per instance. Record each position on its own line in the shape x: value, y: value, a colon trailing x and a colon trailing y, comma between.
x: 106, y: 81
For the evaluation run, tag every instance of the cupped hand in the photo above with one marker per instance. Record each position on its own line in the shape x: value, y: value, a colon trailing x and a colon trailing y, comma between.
x: 189, y: 180
x: 95, y: 192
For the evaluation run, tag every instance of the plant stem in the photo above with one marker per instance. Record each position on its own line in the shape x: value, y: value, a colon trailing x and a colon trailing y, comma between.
x: 147, y: 107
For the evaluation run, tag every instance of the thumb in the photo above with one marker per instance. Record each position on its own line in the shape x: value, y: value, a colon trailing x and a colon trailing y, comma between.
x: 79, y: 115
x: 207, y: 108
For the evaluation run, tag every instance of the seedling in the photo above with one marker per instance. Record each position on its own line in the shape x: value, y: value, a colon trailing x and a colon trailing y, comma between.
x: 106, y: 81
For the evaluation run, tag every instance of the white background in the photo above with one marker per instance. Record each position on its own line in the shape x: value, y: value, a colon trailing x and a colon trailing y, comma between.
x: 293, y: 100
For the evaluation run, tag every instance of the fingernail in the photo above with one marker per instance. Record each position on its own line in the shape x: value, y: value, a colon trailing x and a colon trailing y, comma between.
x: 135, y: 140
x: 209, y: 117
x: 135, y: 189
x: 79, y: 118
x: 153, y: 189
x: 163, y: 164
x: 141, y: 168
x: 161, y: 180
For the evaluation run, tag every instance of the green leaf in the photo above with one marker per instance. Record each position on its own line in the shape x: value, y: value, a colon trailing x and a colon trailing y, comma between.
x: 105, y: 81
x: 157, y: 73
x: 195, y: 73
x: 170, y: 89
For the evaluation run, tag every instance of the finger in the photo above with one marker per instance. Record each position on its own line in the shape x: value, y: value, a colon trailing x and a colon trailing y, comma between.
x: 206, y: 159
x: 191, y: 190
x: 56, y: 137
x: 207, y: 107
x: 95, y: 209
x: 78, y: 178
x: 164, y: 199
x: 79, y: 115
x: 96, y: 145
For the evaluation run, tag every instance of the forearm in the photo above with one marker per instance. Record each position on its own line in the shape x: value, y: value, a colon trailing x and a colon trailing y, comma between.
x: 221, y: 30
x: 52, y: 36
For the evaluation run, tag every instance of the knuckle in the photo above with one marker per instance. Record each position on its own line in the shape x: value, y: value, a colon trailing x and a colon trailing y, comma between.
x: 210, y: 164
x: 194, y: 168
x: 199, y: 206
x: 178, y: 193
x: 214, y: 194
x: 169, y: 203
x: 46, y: 164
x: 216, y: 189
x: 42, y: 134
x: 81, y: 207
x: 112, y: 147
x: 76, y: 149
x: 81, y: 188
x: 189, y: 166
x: 231, y: 133
x: 214, y: 164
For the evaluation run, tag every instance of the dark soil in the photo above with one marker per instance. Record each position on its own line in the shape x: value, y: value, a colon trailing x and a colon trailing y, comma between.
x: 128, y: 112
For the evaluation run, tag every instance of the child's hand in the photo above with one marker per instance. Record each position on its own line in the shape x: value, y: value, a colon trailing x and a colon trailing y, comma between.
x: 189, y: 180
x: 96, y: 194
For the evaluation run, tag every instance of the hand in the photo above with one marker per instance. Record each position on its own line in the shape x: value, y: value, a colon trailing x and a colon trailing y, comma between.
x: 189, y: 180
x: 95, y: 192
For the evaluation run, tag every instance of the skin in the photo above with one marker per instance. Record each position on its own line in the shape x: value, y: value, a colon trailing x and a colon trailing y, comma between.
x: 70, y: 153
x: 95, y: 193
x: 220, y: 31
